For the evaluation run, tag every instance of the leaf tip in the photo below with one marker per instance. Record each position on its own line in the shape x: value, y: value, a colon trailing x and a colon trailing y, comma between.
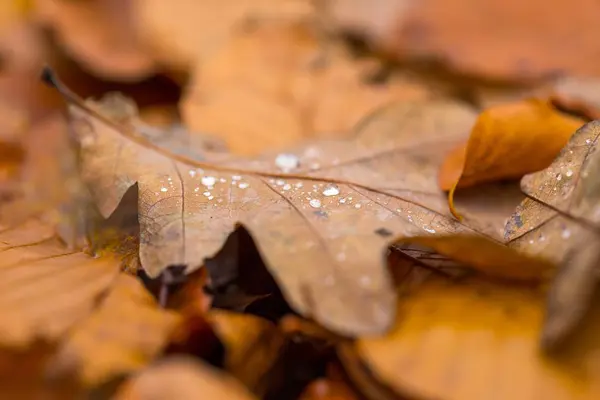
x: 453, y: 209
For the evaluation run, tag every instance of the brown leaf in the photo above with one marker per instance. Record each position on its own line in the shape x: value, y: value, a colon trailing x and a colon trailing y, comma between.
x: 276, y: 84
x: 124, y: 334
x: 100, y: 35
x: 35, y: 268
x: 252, y: 347
x: 182, y: 379
x: 188, y: 31
x: 97, y: 313
x: 478, y: 339
x: 333, y: 206
x: 504, y: 42
x: 507, y: 142
x: 557, y: 221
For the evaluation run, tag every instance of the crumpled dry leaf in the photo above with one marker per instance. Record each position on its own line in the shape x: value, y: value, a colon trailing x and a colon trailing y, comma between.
x: 274, y: 84
x: 252, y: 347
x: 183, y: 379
x: 100, y: 35
x: 570, y: 187
x: 502, y: 42
x: 336, y: 214
x: 184, y: 32
x: 477, y: 339
x: 507, y: 141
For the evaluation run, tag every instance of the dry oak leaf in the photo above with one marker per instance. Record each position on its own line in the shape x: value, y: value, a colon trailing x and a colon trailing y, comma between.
x: 507, y: 142
x: 478, y: 339
x: 182, y: 378
x: 559, y: 221
x: 321, y: 215
x: 107, y: 323
x: 277, y: 84
x: 502, y: 42
x: 101, y: 35
x: 184, y: 32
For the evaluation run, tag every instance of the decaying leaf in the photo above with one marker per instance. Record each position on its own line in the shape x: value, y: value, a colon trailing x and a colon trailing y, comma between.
x: 277, y: 84
x: 321, y: 215
x: 557, y: 221
x: 507, y: 142
x: 477, y: 339
x: 184, y: 379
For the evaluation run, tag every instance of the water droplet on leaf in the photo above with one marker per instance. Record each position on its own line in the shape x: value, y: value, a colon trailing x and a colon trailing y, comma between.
x: 331, y: 190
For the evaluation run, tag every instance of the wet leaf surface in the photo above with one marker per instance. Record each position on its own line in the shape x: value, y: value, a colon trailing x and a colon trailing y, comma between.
x: 303, y: 207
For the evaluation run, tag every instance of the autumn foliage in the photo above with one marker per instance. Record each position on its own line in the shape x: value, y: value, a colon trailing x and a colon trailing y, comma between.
x: 294, y: 199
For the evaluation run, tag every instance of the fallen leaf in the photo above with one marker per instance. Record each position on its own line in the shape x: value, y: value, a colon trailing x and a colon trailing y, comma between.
x: 276, y: 84
x: 188, y: 31
x: 333, y: 207
x: 503, y: 43
x: 100, y: 35
x: 491, y: 258
x: 252, y: 347
x: 36, y: 268
x: 182, y: 378
x: 507, y: 142
x: 557, y: 221
x: 476, y: 339
x: 97, y: 313
x: 124, y: 334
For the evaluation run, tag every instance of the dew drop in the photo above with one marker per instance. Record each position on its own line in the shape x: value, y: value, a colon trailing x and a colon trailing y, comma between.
x: 287, y: 161
x: 211, y: 197
x: 331, y: 190
x: 588, y: 141
x: 208, y: 180
x: 244, y: 185
x: 531, y: 241
x: 357, y: 205
x: 428, y: 229
x: 287, y: 186
x: 558, y: 176
x: 163, y: 189
x: 169, y: 179
x: 569, y: 173
x: 315, y: 203
x: 565, y: 234
x: 206, y: 194
x: 315, y: 166
x: 197, y: 189
x: 280, y: 182
x: 192, y: 172
x: 342, y: 201
x: 299, y: 185
x: 410, y: 218
x: 542, y: 237
x: 236, y: 178
x: 223, y: 180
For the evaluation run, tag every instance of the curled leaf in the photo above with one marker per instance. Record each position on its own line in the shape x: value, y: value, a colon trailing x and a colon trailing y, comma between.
x: 507, y: 142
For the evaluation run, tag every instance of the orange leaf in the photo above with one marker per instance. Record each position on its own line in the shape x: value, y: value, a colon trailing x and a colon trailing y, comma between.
x: 507, y: 142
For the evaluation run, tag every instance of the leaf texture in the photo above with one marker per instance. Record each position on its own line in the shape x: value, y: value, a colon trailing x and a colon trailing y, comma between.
x: 322, y: 224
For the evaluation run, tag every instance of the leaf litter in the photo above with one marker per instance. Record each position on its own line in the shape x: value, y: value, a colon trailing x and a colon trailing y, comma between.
x: 322, y: 230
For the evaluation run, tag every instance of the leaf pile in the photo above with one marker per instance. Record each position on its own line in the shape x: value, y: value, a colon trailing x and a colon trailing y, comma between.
x: 254, y: 200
